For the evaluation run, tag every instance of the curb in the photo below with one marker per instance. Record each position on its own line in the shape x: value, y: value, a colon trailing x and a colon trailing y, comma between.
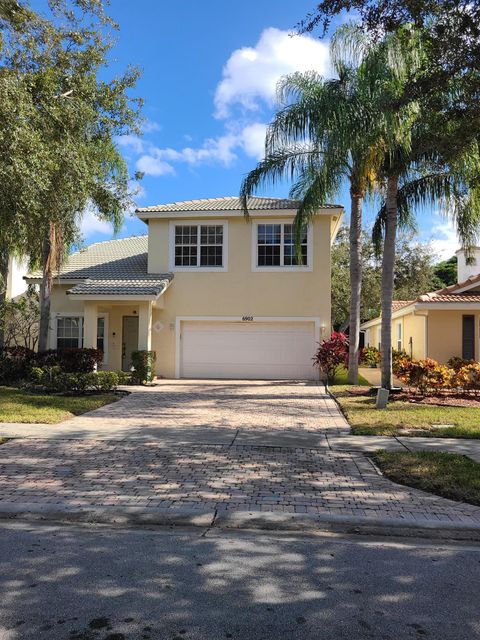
x: 246, y: 520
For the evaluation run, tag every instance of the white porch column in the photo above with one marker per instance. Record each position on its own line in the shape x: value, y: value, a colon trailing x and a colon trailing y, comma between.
x: 90, y: 312
x: 145, y: 326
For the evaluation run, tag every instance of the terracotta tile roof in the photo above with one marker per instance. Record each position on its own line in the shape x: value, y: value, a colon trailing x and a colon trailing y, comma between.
x: 230, y: 203
x: 398, y: 304
x: 460, y: 285
x: 452, y: 297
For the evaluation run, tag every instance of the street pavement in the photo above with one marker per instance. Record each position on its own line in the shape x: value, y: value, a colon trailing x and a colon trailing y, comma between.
x: 100, y: 583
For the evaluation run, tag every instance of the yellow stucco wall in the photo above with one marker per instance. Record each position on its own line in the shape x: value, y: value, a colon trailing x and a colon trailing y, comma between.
x: 445, y: 334
x: 437, y: 336
x: 414, y: 330
x: 237, y: 292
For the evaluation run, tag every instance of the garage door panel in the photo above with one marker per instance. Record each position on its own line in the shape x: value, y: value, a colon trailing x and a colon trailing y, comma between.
x: 238, y: 350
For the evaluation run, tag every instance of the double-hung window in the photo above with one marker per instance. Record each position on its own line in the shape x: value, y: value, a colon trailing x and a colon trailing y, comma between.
x: 275, y: 246
x: 69, y: 332
x: 399, y: 336
x: 199, y: 246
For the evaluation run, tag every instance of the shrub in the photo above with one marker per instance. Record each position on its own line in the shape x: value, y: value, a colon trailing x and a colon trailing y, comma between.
x: 456, y: 363
x: 54, y: 380
x: 331, y: 354
x: 425, y: 375
x: 369, y: 356
x: 401, y: 363
x: 468, y: 377
x: 15, y: 364
x: 143, y: 366
x: 106, y: 381
x: 70, y: 360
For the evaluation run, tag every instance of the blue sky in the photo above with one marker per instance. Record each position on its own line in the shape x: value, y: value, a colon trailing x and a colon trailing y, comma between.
x: 209, y: 75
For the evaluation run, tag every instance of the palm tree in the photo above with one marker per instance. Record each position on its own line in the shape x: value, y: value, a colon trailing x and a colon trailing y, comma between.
x: 325, y: 132
x: 419, y: 178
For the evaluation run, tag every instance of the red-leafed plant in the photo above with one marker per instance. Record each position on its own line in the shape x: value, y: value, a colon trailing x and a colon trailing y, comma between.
x: 331, y: 354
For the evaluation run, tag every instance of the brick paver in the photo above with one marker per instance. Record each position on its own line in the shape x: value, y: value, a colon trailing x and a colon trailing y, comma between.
x: 220, y: 404
x: 102, y: 473
x: 233, y: 475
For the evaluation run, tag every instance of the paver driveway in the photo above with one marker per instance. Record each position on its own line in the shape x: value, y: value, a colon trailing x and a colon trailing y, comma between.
x: 219, y: 446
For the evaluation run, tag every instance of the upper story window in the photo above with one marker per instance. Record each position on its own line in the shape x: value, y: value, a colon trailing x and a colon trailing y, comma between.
x: 275, y: 247
x: 199, y: 246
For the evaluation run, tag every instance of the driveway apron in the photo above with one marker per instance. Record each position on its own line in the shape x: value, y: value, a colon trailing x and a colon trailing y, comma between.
x: 250, y: 446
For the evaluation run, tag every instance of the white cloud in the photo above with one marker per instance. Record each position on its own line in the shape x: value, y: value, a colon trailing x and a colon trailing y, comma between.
x: 444, y: 239
x: 249, y: 81
x: 253, y: 140
x: 90, y: 224
x: 150, y: 125
x: 131, y: 142
x: 251, y: 73
x: 152, y: 166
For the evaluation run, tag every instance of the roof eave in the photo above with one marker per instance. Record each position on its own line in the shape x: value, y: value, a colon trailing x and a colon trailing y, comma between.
x: 114, y: 296
x: 235, y: 213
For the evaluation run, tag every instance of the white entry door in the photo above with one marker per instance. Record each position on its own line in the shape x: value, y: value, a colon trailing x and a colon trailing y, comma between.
x: 257, y: 350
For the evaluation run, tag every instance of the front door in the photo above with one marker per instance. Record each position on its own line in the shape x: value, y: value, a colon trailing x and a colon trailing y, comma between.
x: 129, y: 340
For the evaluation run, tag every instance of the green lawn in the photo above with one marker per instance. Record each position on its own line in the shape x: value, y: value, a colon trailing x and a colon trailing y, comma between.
x: 19, y: 406
x: 399, y: 415
x: 446, y: 474
x: 341, y: 378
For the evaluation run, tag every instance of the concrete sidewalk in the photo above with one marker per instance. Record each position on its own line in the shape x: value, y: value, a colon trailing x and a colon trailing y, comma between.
x: 366, y: 444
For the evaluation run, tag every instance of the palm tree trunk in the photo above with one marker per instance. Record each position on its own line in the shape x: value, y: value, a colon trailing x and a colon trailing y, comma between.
x: 45, y: 294
x: 4, y: 260
x: 355, y: 286
x: 388, y: 267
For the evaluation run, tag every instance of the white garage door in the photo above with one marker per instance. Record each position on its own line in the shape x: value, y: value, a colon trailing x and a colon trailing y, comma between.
x: 273, y: 350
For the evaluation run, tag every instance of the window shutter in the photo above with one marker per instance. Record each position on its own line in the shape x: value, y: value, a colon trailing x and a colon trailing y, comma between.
x: 468, y: 337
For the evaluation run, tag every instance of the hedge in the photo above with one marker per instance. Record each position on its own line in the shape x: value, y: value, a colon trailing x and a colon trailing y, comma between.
x: 429, y: 376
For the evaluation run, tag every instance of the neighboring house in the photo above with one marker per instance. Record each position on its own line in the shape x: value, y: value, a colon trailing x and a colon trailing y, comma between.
x: 16, y: 285
x: 440, y: 324
x: 213, y: 294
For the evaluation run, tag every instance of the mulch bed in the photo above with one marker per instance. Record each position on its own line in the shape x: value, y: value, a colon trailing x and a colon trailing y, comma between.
x: 460, y: 400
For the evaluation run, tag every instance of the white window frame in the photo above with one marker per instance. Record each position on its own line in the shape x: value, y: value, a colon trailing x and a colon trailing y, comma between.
x: 73, y: 314
x: 399, y: 336
x: 105, y: 337
x: 281, y: 267
x: 198, y: 224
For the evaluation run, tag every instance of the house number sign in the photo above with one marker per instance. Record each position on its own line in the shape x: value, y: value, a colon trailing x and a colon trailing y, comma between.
x: 247, y: 318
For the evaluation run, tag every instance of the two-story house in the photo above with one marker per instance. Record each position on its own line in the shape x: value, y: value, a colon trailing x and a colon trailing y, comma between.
x: 214, y: 294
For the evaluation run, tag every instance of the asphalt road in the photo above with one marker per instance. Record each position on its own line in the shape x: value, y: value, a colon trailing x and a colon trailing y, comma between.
x: 98, y: 583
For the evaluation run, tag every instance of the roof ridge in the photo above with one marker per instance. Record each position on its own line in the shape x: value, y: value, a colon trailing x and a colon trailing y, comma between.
x: 94, y: 244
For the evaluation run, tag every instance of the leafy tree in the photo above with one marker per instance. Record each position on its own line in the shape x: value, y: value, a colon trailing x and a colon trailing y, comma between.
x: 414, y: 274
x: 19, y: 320
x: 448, y: 29
x: 77, y: 116
x: 446, y: 271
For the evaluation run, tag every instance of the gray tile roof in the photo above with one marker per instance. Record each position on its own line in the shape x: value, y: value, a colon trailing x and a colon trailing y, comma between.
x: 153, y: 286
x: 117, y: 259
x: 114, y: 267
x: 231, y: 203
